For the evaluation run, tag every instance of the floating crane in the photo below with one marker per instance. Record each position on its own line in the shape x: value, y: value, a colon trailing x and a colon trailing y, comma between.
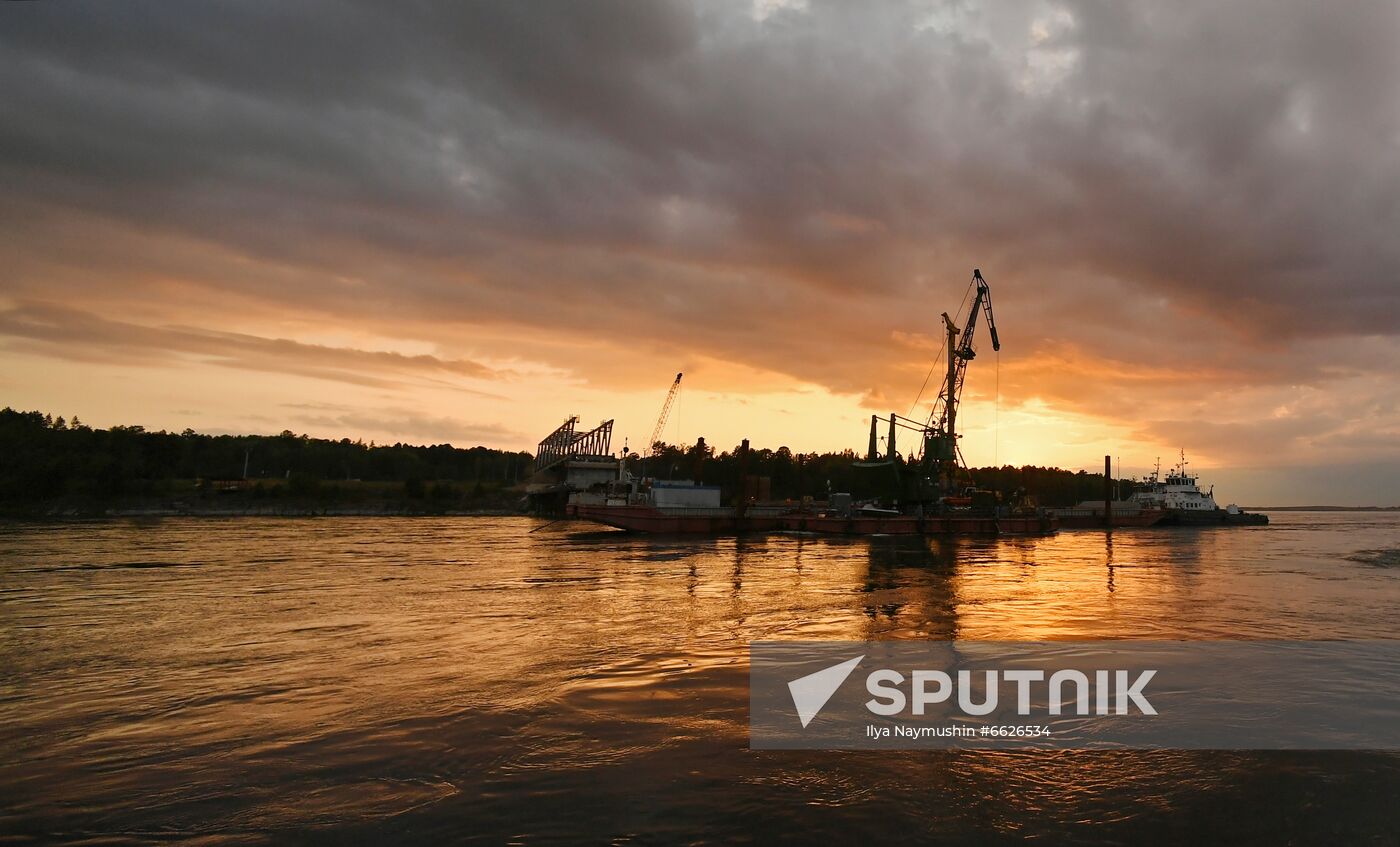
x: 960, y: 352
x: 665, y: 413
x: 936, y: 472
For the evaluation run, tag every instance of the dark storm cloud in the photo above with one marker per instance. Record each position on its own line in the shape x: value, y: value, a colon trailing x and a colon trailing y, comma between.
x: 79, y: 336
x: 781, y: 190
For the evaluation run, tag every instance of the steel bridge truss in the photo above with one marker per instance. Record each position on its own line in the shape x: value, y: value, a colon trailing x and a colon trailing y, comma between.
x: 567, y: 443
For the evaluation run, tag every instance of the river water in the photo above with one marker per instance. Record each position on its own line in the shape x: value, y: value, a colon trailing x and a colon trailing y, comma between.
x: 468, y: 680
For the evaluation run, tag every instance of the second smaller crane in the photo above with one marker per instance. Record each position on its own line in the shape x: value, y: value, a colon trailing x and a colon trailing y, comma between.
x: 665, y: 413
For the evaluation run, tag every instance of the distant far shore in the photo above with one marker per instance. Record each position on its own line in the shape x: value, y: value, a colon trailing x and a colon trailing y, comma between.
x: 1322, y: 508
x: 55, y: 469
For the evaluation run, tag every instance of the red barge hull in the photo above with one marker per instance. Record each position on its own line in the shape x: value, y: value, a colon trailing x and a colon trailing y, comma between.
x: 929, y: 525
x: 636, y: 518
x: 690, y: 521
x: 1080, y: 519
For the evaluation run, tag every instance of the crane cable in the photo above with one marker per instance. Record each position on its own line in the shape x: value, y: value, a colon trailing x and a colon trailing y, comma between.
x: 941, y: 349
x: 996, y: 415
x: 927, y: 377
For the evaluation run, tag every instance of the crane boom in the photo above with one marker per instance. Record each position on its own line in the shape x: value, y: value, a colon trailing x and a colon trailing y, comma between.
x: 964, y: 352
x: 665, y: 413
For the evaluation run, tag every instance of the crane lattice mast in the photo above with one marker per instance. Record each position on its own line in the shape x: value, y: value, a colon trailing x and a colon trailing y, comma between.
x: 665, y: 413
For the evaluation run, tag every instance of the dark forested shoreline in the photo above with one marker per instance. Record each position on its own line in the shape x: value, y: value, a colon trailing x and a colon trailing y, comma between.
x: 52, y: 467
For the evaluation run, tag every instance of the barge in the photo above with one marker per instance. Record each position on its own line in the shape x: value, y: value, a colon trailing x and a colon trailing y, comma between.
x: 730, y: 521
x: 1122, y: 514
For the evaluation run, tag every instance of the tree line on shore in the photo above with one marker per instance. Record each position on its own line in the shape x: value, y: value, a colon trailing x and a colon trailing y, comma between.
x: 46, y: 459
x: 795, y: 475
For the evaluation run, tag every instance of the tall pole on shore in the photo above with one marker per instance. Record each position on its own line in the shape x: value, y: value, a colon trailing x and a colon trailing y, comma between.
x: 742, y: 504
x: 1108, y: 492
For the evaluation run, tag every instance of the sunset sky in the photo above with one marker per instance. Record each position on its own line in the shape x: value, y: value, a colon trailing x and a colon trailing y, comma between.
x: 463, y: 222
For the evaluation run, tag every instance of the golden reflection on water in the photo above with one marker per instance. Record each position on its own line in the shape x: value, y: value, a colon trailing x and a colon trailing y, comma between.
x: 241, y: 678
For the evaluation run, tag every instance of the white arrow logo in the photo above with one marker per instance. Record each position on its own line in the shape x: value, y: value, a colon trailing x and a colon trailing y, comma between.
x: 810, y: 692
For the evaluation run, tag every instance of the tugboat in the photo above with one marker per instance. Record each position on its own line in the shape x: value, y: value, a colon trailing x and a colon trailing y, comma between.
x: 1180, y: 496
